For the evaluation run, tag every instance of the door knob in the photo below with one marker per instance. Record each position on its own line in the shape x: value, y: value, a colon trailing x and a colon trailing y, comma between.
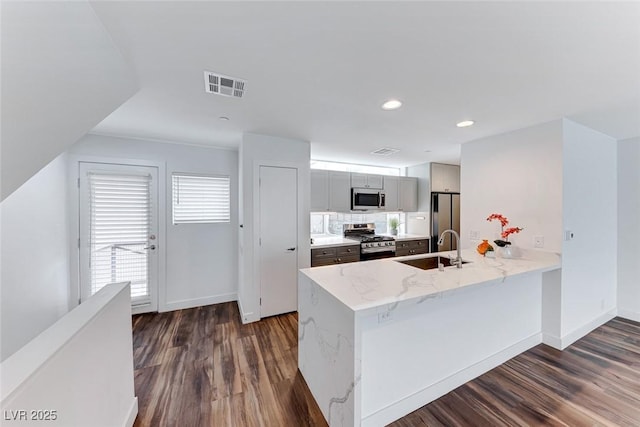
x: 152, y: 247
x: 291, y: 249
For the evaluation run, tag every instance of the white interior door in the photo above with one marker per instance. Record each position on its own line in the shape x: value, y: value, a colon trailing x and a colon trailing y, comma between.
x: 278, y: 240
x: 119, y: 230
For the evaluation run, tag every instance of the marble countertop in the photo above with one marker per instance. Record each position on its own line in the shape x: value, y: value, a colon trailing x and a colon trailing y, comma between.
x: 371, y: 284
x: 328, y: 241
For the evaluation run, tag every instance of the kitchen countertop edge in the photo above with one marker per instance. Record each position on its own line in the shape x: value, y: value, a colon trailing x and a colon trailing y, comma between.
x: 329, y: 242
x: 369, y: 286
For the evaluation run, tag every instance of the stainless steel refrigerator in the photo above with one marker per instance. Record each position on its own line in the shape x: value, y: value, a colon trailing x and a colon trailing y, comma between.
x: 445, y: 215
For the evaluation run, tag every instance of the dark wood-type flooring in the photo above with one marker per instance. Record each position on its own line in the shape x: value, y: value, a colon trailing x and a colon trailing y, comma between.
x: 202, y: 367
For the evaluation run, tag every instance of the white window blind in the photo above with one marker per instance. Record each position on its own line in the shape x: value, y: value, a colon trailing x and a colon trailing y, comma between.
x: 200, y: 199
x: 120, y: 222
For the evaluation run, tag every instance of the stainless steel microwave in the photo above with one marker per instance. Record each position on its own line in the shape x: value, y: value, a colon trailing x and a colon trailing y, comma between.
x: 366, y: 199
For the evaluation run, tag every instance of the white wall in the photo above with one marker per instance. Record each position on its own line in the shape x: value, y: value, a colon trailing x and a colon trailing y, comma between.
x: 34, y: 256
x: 629, y: 228
x: 589, y: 264
x: 61, y: 75
x: 259, y: 150
x: 547, y: 178
x: 201, y: 259
x: 517, y: 174
x: 81, y: 368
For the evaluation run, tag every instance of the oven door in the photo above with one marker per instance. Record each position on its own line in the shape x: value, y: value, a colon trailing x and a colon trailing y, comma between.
x: 377, y: 255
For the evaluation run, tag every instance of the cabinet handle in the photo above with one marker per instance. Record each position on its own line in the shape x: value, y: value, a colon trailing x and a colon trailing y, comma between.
x: 324, y: 252
x: 348, y: 250
x: 338, y: 260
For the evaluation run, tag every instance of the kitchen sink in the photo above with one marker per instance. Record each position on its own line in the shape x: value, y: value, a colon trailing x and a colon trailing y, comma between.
x: 429, y: 262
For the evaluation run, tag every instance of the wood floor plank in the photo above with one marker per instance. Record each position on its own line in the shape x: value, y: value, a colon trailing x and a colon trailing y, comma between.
x: 203, y: 367
x: 594, y: 382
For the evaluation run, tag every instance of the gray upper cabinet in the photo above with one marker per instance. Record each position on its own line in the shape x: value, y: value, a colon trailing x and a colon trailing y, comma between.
x: 319, y: 190
x: 407, y: 194
x: 445, y: 178
x: 365, y: 180
x: 339, y: 191
x: 401, y: 193
x: 330, y: 191
x: 391, y: 195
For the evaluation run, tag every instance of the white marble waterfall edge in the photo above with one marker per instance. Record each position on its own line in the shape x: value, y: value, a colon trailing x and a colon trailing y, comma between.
x: 326, y: 355
x: 378, y: 339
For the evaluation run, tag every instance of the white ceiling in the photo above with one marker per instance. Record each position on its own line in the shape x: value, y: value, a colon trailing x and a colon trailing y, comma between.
x: 319, y: 71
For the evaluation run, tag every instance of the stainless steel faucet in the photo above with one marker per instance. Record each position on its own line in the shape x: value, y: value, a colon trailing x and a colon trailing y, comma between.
x: 458, y: 261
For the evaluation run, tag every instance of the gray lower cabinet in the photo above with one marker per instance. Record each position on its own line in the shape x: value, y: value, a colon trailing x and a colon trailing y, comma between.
x: 335, y: 255
x: 412, y: 247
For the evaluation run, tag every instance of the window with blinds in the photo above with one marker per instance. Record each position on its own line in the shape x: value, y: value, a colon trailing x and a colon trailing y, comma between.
x: 120, y: 222
x: 200, y: 199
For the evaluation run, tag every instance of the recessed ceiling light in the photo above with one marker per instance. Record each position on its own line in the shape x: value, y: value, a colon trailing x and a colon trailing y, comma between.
x: 224, y: 118
x: 391, y: 104
x: 465, y: 123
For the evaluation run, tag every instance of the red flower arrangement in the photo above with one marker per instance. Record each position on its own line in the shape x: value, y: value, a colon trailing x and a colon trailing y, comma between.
x: 504, y: 233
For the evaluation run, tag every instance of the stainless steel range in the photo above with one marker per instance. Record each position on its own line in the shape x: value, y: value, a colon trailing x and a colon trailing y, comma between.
x: 372, y: 245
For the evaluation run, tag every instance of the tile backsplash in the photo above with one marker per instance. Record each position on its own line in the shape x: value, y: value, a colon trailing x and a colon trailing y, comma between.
x: 322, y: 223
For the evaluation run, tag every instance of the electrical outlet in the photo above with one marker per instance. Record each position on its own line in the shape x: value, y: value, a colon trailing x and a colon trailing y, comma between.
x: 538, y: 241
x: 385, y: 316
x: 473, y: 234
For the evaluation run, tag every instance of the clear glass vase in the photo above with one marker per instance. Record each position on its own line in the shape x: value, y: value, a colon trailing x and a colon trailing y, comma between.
x: 506, y: 251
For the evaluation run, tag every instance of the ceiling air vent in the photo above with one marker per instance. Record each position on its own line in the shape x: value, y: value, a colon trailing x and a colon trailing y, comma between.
x: 224, y: 85
x: 385, y: 151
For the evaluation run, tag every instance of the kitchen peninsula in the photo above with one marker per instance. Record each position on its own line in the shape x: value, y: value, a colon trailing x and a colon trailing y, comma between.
x: 379, y: 339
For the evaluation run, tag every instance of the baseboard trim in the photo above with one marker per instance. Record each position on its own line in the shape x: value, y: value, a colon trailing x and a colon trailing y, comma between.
x: 574, y: 336
x: 246, y: 316
x: 409, y: 404
x: 199, y: 302
x: 133, y: 413
x: 552, y: 341
x: 629, y: 314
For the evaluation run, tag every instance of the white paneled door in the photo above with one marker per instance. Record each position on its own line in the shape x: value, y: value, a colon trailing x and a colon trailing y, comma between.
x: 119, y: 230
x: 278, y: 240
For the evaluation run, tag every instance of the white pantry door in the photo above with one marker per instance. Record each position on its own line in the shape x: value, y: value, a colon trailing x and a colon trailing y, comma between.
x: 278, y: 240
x: 119, y: 230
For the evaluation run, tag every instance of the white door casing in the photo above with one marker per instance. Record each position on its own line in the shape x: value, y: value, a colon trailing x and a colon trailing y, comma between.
x: 142, y: 254
x: 278, y: 234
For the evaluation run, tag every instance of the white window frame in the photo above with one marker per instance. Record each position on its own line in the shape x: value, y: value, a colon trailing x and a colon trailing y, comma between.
x: 208, y: 217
